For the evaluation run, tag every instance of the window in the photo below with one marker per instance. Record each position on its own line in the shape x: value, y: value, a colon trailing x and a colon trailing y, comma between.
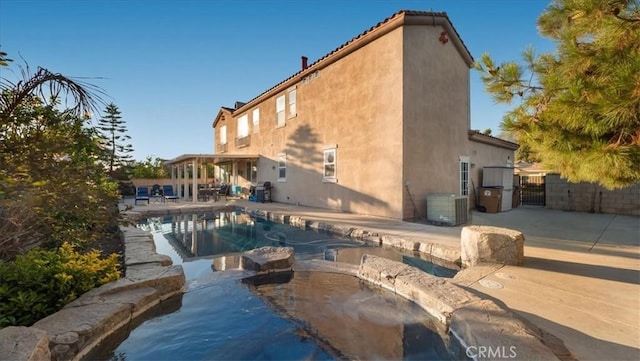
x: 280, y: 111
x: 329, y: 173
x: 282, y: 167
x: 464, y: 175
x: 252, y: 172
x: 292, y: 103
x: 256, y: 121
x: 243, y: 126
x: 223, y: 134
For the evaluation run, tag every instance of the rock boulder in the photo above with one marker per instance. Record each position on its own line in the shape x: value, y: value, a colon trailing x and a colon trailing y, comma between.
x: 491, y: 244
x: 24, y: 343
x: 268, y: 259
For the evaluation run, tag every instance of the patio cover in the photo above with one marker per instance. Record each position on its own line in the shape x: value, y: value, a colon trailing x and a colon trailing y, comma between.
x: 182, y: 162
x: 210, y: 158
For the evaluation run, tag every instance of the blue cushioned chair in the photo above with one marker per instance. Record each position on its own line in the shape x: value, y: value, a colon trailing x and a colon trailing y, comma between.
x: 142, y: 194
x: 167, y: 191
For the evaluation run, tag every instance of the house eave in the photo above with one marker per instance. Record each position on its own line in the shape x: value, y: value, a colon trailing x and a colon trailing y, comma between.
x: 386, y: 26
x: 487, y: 139
x: 221, y: 113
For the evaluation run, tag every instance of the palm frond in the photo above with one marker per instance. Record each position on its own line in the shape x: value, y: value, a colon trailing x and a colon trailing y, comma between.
x: 78, y: 97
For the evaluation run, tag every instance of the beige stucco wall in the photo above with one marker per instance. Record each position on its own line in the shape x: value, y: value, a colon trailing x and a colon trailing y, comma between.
x: 398, y: 110
x: 436, y: 117
x: 354, y: 103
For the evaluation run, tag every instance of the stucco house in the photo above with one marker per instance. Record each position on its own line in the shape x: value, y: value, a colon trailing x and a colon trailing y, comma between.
x: 373, y: 127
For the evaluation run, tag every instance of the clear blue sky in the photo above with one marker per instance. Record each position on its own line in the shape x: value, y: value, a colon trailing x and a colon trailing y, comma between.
x: 170, y: 65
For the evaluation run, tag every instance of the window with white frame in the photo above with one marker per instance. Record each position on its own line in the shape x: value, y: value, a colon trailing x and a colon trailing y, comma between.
x: 292, y: 103
x: 252, y: 171
x: 223, y: 134
x: 464, y: 175
x: 280, y: 111
x: 243, y: 126
x: 255, y: 116
x: 282, y: 167
x: 330, y: 161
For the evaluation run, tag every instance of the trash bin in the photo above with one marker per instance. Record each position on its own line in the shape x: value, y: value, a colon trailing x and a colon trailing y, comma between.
x: 490, y: 199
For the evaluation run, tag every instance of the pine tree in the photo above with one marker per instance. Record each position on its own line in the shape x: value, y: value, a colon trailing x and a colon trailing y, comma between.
x: 579, y: 107
x: 113, y: 139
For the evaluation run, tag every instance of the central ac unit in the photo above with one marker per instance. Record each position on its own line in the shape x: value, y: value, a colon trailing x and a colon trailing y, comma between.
x: 447, y: 209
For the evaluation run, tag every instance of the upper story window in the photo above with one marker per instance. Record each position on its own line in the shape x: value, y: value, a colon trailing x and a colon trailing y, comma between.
x: 223, y: 134
x: 221, y: 147
x: 243, y: 126
x: 292, y: 103
x: 280, y: 111
x: 255, y: 116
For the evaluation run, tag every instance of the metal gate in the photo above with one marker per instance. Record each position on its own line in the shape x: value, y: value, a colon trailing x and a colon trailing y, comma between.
x: 532, y: 190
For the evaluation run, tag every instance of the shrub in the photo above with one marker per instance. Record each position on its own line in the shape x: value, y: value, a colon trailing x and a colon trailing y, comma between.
x: 40, y: 282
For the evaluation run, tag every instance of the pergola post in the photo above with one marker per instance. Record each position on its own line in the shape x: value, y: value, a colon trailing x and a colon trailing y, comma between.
x: 194, y: 181
x: 178, y: 175
x: 185, y: 178
x: 173, y: 178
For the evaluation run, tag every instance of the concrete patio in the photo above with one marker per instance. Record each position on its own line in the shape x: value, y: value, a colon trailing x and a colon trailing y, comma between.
x: 580, y: 280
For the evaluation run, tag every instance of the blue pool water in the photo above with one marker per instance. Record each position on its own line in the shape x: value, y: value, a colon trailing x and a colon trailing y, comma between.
x: 224, y: 236
x: 294, y: 316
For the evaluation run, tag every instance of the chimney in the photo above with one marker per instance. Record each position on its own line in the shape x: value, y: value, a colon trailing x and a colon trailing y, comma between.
x: 304, y: 62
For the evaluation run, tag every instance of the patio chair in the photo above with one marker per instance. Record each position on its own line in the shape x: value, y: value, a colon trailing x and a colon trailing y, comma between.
x: 167, y: 191
x: 204, y: 193
x: 223, y: 191
x: 142, y: 194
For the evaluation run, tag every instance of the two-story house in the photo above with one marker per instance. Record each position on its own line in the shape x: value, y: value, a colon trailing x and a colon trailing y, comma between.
x: 372, y: 128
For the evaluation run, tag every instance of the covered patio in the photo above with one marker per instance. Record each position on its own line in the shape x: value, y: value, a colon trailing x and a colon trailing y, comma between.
x: 193, y: 172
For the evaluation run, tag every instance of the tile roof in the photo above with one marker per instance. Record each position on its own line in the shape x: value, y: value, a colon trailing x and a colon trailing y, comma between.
x: 406, y: 13
x: 490, y: 139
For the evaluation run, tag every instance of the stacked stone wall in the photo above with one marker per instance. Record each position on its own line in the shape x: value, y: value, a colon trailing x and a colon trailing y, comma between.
x: 590, y: 197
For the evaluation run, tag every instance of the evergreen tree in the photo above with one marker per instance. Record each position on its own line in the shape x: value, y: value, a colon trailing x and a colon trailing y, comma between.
x: 579, y: 107
x: 45, y: 151
x: 113, y: 139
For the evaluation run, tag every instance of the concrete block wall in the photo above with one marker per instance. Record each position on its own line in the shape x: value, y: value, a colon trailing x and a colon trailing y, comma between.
x: 589, y: 197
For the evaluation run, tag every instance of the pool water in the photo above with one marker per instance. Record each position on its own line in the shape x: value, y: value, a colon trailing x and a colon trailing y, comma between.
x: 232, y: 315
x: 223, y: 236
x: 219, y: 320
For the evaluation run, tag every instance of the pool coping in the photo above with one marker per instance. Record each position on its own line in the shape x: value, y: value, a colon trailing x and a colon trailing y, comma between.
x: 74, y: 331
x: 81, y: 325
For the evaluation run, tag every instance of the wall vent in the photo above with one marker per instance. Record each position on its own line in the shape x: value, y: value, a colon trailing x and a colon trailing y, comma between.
x: 447, y: 209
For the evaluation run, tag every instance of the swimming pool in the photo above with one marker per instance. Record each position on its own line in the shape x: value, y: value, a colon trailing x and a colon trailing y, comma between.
x: 294, y: 316
x: 223, y: 236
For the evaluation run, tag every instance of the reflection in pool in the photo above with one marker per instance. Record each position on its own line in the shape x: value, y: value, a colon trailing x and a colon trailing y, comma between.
x: 294, y: 316
x: 224, y: 236
x: 358, y: 321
